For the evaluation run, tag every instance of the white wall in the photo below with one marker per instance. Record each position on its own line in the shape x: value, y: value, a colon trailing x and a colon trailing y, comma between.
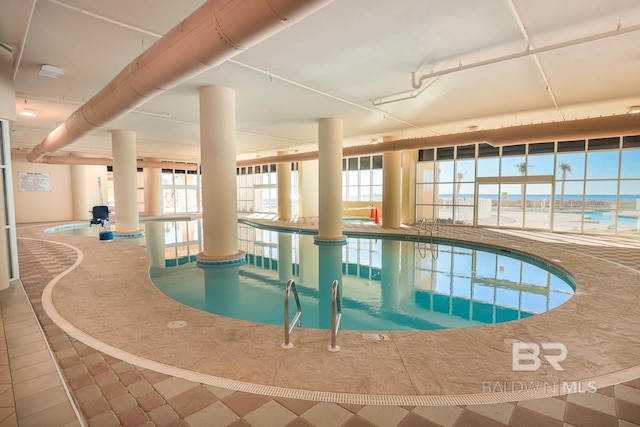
x: 37, y: 206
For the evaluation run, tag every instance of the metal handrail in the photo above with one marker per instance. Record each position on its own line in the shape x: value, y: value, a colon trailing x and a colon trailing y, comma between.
x: 289, y: 326
x: 423, y: 225
x: 435, y: 227
x: 336, y: 314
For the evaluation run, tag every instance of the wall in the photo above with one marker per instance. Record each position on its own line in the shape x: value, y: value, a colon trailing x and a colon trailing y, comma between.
x: 38, y: 206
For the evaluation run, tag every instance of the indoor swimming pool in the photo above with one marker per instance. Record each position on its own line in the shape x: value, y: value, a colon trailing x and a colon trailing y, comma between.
x: 386, y: 284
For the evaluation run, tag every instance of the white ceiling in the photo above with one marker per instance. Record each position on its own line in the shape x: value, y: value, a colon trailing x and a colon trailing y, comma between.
x: 338, y: 62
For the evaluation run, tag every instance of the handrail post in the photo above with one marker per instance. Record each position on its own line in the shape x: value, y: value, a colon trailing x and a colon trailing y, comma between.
x: 288, y: 326
x: 336, y: 315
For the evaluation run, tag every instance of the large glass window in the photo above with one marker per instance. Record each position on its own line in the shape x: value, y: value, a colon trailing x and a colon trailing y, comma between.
x: 590, y: 186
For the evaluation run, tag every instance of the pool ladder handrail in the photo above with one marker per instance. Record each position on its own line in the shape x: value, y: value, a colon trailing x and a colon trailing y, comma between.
x: 336, y: 314
x: 422, y: 246
x: 289, y: 326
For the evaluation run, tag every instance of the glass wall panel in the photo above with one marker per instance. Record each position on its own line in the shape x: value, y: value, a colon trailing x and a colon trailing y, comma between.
x: 488, y: 166
x: 538, y: 210
x: 570, y: 166
x: 513, y: 166
x: 540, y: 165
x: 629, y: 208
x: 511, y: 205
x: 602, y: 164
x: 488, y: 196
x: 630, y: 167
x: 568, y: 206
x: 600, y: 207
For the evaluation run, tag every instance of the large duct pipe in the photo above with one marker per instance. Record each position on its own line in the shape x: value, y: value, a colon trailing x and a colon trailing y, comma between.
x: 599, y: 127
x: 104, y: 161
x: 216, y: 31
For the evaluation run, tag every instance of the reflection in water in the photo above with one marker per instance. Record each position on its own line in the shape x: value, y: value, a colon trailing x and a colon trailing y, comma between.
x: 386, y: 284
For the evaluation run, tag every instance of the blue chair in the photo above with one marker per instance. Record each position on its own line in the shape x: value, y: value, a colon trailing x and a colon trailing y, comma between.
x: 100, y: 215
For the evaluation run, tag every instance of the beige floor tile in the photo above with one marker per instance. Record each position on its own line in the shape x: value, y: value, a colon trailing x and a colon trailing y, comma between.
x: 10, y: 421
x: 173, y: 386
x: 500, y: 412
x: 30, y: 348
x: 220, y: 393
x: 630, y: 394
x: 271, y: 414
x: 58, y: 415
x: 553, y: 408
x: 443, y: 415
x: 25, y: 339
x: 33, y: 371
x: 326, y: 415
x: 29, y: 359
x: 46, y: 399
x: 595, y: 401
x: 36, y: 385
x: 212, y: 416
x: 384, y: 416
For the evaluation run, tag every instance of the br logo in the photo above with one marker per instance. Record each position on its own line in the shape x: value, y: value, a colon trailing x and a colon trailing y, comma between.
x: 526, y: 356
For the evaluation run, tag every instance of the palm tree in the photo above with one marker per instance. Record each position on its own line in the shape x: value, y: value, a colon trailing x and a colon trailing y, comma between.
x: 565, y: 168
x: 522, y: 170
x: 460, y: 175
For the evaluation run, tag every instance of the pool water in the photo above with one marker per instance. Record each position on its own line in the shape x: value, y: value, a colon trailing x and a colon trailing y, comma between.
x: 386, y: 284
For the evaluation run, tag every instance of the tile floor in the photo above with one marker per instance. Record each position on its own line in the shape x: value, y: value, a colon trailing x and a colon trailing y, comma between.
x: 111, y: 392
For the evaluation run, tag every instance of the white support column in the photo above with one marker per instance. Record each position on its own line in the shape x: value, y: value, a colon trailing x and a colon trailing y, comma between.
x: 125, y: 183
x: 391, y: 187
x: 219, y: 188
x: 153, y: 191
x: 330, y: 183
x: 284, y: 190
x: 409, y: 165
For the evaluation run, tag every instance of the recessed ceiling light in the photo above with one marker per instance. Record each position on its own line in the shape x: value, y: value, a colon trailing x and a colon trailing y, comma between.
x: 51, y: 71
x: 27, y: 112
x: 634, y: 109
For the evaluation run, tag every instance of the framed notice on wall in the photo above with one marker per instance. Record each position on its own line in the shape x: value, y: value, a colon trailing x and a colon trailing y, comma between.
x: 34, y: 181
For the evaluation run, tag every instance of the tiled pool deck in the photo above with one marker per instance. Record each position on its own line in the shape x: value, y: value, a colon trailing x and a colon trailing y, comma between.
x: 216, y: 371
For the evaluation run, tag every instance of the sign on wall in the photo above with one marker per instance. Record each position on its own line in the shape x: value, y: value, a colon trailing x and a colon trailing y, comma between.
x: 34, y: 181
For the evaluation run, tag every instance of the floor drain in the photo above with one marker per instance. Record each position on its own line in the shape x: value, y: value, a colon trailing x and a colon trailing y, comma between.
x: 176, y: 324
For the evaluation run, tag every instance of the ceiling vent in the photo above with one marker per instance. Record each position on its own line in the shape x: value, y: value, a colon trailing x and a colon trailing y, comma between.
x: 51, y: 71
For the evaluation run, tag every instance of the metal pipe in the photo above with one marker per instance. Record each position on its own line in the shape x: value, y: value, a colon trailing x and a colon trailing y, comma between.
x: 16, y: 66
x: 213, y: 33
x: 336, y: 315
x: 527, y: 52
x: 290, y: 325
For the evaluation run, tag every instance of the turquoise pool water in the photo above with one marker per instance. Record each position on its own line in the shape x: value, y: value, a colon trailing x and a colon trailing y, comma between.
x: 386, y: 284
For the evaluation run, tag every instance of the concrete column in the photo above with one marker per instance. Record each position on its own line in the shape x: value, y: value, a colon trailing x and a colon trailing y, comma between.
x: 409, y: 164
x: 284, y: 190
x: 153, y: 191
x: 125, y: 182
x: 330, y: 185
x: 218, y: 157
x: 391, y: 187
x: 79, y: 198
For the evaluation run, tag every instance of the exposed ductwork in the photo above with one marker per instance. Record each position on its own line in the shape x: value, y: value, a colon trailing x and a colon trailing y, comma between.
x: 216, y: 31
x: 599, y: 127
x: 105, y: 161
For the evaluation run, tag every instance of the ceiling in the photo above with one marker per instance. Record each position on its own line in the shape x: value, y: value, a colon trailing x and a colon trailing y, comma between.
x: 352, y: 59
